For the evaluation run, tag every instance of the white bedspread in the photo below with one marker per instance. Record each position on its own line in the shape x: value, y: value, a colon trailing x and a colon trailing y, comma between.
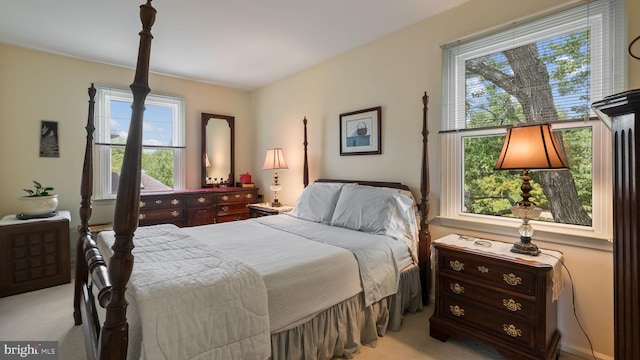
x: 303, y: 277
x: 375, y: 253
x: 195, y: 302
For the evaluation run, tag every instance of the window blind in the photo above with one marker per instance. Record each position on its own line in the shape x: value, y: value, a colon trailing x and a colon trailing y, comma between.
x: 598, y: 32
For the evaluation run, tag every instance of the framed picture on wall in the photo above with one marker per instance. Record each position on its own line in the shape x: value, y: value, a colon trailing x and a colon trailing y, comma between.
x: 49, y: 139
x: 360, y: 132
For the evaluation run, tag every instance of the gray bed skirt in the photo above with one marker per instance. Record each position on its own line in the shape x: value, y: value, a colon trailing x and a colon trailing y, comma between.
x: 340, y: 330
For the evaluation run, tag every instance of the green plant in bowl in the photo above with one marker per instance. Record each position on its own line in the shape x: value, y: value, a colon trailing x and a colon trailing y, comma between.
x: 39, y: 190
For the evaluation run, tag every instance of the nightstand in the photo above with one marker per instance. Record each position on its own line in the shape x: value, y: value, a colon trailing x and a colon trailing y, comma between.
x: 34, y: 254
x: 505, y: 300
x: 264, y: 209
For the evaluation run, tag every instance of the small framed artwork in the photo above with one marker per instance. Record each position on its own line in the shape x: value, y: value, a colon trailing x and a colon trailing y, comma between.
x: 360, y: 132
x: 49, y: 139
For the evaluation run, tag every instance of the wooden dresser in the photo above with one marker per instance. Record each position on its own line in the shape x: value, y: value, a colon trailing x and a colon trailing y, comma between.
x: 196, y: 207
x: 499, y: 300
x: 34, y: 254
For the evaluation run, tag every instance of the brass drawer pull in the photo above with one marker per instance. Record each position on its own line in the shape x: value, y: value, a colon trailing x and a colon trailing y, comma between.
x: 237, y: 196
x: 457, y: 288
x: 225, y: 197
x: 142, y: 203
x: 141, y: 216
x: 512, y: 279
x: 456, y: 265
x: 249, y: 196
x: 512, y: 304
x: 483, y: 269
x: 175, y: 202
x: 225, y: 208
x: 175, y: 213
x: 511, y: 330
x: 158, y: 202
x: 456, y: 310
x: 201, y: 200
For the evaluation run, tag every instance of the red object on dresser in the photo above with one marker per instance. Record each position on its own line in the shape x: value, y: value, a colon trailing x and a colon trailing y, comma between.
x: 245, y: 178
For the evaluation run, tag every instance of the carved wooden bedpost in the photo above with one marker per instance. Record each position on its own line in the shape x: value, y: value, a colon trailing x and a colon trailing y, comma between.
x: 86, y: 190
x: 89, y: 261
x: 116, y: 329
x: 305, y: 174
x: 424, y: 250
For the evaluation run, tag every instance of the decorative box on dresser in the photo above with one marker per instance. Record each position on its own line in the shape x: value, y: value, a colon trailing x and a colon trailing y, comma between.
x: 197, y: 206
x: 34, y: 254
x: 502, y: 300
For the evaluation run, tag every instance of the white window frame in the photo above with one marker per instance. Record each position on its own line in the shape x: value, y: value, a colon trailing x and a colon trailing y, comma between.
x: 599, y: 235
x: 102, y: 168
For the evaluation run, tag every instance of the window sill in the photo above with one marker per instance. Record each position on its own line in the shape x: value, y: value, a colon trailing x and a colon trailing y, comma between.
x: 104, y: 200
x: 552, y: 233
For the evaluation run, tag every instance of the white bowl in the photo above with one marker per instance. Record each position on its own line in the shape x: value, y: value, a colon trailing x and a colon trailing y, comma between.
x: 38, y: 205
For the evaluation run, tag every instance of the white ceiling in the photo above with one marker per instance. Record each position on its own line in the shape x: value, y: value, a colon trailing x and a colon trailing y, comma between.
x: 243, y: 44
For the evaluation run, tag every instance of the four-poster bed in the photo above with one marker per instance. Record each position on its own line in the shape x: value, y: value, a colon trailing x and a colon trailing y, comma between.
x: 368, y: 298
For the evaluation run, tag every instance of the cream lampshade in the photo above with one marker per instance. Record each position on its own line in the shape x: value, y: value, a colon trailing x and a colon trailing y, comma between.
x: 275, y: 160
x: 527, y: 148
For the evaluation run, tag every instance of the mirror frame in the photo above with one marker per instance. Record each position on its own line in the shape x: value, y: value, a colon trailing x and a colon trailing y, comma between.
x: 205, y: 117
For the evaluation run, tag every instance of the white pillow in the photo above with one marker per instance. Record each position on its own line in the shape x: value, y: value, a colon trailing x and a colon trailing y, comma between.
x: 317, y: 201
x: 373, y: 209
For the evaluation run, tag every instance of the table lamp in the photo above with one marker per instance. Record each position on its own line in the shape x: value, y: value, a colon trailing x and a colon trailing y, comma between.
x: 275, y: 160
x: 529, y: 147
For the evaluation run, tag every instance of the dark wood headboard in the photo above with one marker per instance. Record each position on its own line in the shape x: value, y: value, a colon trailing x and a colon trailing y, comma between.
x: 394, y: 185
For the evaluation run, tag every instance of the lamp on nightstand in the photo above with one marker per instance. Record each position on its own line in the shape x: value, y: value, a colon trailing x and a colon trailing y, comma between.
x: 275, y: 160
x: 527, y: 148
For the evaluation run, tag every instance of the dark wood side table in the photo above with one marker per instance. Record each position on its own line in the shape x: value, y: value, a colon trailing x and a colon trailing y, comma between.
x: 264, y: 209
x: 34, y: 254
x: 505, y: 300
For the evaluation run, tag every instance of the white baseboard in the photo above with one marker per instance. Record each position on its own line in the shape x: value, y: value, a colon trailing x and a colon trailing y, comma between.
x: 583, y: 352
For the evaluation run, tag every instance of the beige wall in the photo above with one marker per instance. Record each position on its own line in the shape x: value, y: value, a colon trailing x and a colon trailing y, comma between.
x: 37, y: 86
x: 393, y: 72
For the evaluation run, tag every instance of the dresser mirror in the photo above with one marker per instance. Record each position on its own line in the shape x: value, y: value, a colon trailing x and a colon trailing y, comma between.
x: 217, y: 150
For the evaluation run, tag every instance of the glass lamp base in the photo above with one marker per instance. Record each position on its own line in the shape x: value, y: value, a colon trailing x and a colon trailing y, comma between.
x: 275, y: 187
x: 525, y: 213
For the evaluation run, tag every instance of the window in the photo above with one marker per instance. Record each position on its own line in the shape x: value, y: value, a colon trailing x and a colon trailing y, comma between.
x: 545, y: 70
x: 163, y: 141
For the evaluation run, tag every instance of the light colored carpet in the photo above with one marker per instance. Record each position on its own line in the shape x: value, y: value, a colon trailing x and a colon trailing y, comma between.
x: 47, y: 315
